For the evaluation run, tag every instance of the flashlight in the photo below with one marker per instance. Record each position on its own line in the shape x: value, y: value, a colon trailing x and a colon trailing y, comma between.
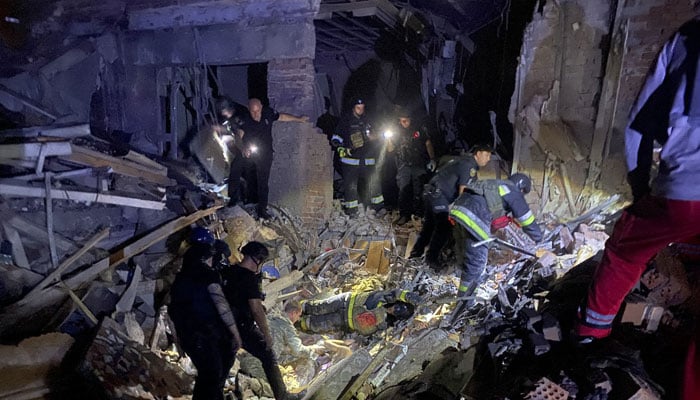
x: 253, y: 149
x: 388, y: 134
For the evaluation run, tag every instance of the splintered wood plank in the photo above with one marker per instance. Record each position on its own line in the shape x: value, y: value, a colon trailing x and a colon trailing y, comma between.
x: 28, y: 191
x: 412, y: 239
x: 34, y: 150
x: 359, y: 245
x: 377, y: 262
x: 94, y: 158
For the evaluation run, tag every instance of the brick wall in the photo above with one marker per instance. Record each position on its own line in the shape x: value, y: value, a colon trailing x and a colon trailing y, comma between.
x: 291, y: 85
x: 302, y: 171
x: 651, y: 23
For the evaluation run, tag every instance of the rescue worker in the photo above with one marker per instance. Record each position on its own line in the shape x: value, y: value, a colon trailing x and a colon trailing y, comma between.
x: 415, y: 157
x: 204, y: 323
x: 256, y: 130
x: 473, y: 212
x: 243, y: 289
x: 288, y: 347
x: 230, y: 123
x: 363, y: 312
x: 357, y: 147
x: 667, y: 110
x: 449, y: 182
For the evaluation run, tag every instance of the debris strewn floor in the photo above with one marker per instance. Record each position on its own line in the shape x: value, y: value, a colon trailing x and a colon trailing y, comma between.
x: 102, y: 280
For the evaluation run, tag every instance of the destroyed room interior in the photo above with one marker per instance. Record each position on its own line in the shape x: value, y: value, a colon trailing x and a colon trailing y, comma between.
x: 349, y: 199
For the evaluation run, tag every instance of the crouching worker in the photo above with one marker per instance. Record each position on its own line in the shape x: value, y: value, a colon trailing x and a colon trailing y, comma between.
x: 243, y: 288
x: 204, y: 323
x: 473, y: 212
x: 364, y: 312
x: 289, y: 348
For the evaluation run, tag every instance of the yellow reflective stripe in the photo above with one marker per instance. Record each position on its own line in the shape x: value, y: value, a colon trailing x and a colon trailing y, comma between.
x: 351, y: 204
x: 464, y: 218
x: 350, y: 161
x: 503, y: 190
x: 351, y: 304
x: 402, y: 296
x: 463, y: 288
x: 378, y: 199
x: 527, y: 219
x: 304, y: 325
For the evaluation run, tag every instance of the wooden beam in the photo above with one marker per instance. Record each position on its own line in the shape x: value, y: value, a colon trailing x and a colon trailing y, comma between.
x: 80, y: 304
x: 49, y: 220
x: 35, y: 150
x: 56, y: 274
x: 94, y: 158
x: 138, y: 246
x: 27, y: 191
x: 68, y: 132
x: 27, y: 102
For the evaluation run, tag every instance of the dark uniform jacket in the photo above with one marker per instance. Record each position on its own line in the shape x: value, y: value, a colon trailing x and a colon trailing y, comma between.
x: 443, y: 188
x: 259, y: 133
x: 411, y: 147
x: 492, y: 198
x: 241, y: 285
x: 353, y: 133
x: 191, y: 306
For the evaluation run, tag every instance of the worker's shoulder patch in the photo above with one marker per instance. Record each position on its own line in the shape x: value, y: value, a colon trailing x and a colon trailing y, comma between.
x: 472, y: 172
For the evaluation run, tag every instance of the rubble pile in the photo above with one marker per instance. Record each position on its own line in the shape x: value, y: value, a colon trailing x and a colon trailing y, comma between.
x: 96, y: 271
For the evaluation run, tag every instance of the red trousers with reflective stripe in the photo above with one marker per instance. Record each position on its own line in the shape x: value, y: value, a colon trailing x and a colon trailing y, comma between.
x: 643, y: 229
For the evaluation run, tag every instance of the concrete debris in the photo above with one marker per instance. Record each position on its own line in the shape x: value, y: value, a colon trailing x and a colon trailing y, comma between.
x: 547, y: 390
x: 514, y: 325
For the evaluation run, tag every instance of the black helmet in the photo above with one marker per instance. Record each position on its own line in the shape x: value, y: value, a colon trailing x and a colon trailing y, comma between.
x: 357, y: 100
x: 402, y: 310
x: 202, y: 236
x: 255, y: 250
x: 522, y: 182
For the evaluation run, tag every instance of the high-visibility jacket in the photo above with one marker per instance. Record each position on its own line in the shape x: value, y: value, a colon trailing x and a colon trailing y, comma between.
x: 493, y: 198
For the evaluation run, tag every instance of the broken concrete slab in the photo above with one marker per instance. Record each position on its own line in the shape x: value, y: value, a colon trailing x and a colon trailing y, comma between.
x: 125, y: 368
x: 29, y: 366
x: 331, y: 382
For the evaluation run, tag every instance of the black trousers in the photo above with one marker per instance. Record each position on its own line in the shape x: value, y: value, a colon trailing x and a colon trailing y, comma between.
x: 410, y: 180
x: 257, y: 173
x: 434, y: 234
x: 211, y: 351
x: 351, y: 177
x: 234, y: 178
x: 254, y: 343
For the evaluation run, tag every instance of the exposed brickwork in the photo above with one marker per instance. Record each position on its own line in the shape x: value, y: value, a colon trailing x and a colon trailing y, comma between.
x: 291, y: 85
x: 302, y: 171
x: 651, y: 23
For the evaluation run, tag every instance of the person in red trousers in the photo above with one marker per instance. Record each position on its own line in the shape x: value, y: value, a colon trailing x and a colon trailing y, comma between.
x: 667, y: 111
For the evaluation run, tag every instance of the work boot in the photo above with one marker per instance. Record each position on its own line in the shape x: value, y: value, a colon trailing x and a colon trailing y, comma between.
x: 263, y: 214
x: 435, y: 265
x: 351, y: 212
x: 296, y: 396
x: 402, y: 220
